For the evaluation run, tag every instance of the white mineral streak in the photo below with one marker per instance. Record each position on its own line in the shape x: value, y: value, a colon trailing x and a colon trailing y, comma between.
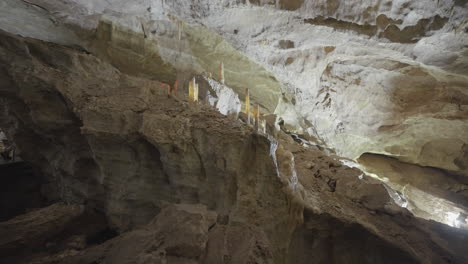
x: 294, y: 180
x: 273, y: 148
x: 227, y: 101
x: 397, y: 197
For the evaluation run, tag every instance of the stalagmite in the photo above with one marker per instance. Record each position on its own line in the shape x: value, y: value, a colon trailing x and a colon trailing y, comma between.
x: 263, y: 124
x: 191, y: 89
x: 273, y: 148
x: 176, y: 86
x: 256, y: 116
x: 247, y: 104
x: 180, y: 26
x: 221, y: 73
x: 195, y: 91
x: 168, y: 88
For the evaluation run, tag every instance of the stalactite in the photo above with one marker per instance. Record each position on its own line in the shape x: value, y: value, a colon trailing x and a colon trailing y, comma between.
x: 221, y: 73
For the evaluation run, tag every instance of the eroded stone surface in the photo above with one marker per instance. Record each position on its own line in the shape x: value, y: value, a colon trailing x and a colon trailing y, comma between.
x: 119, y: 144
x: 375, y: 77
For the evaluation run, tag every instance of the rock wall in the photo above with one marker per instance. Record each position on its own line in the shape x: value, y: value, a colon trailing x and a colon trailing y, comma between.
x: 349, y: 82
x: 337, y: 72
x: 89, y: 109
x: 120, y: 146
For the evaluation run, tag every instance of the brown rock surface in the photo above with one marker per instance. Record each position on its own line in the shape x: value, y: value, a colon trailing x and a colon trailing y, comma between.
x: 182, y: 234
x: 177, y: 235
x: 379, y: 77
x: 118, y: 144
x: 24, y: 233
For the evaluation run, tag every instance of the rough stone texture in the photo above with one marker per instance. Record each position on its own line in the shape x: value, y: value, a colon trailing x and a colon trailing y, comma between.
x: 26, y: 232
x: 420, y: 185
x: 351, y: 196
x: 177, y: 235
x: 20, y: 190
x: 37, y: 25
x: 398, y: 100
x: 147, y: 42
x: 51, y: 233
x: 379, y: 77
x: 350, y: 243
x: 360, y: 98
x: 182, y: 234
x: 386, y: 77
x: 394, y: 60
x: 121, y: 146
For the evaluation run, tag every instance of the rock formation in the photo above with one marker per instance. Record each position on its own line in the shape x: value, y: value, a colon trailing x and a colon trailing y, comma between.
x: 118, y: 167
x: 374, y: 77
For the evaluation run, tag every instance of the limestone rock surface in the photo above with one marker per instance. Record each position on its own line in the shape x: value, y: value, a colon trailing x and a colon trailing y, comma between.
x: 83, y: 94
x: 182, y: 234
x: 378, y: 77
x: 118, y: 144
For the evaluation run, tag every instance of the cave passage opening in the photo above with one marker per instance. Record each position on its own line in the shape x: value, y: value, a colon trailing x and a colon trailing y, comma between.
x: 21, y: 186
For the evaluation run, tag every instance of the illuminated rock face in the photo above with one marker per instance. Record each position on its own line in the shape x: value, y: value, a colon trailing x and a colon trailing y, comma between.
x: 404, y: 110
x: 362, y: 94
x: 379, y: 77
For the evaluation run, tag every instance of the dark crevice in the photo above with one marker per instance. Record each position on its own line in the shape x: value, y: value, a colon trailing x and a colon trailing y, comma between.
x: 412, y: 34
x: 328, y: 240
x: 20, y: 189
x: 369, y: 30
x: 388, y: 27
x: 452, y: 180
x: 203, y: 175
x: 101, y: 236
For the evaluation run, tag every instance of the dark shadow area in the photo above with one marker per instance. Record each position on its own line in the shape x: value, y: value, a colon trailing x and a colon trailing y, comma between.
x: 20, y: 185
x: 389, y: 28
x: 49, y: 232
x: 441, y: 183
x: 101, y: 236
x: 369, y: 30
x: 20, y: 189
x: 325, y: 240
